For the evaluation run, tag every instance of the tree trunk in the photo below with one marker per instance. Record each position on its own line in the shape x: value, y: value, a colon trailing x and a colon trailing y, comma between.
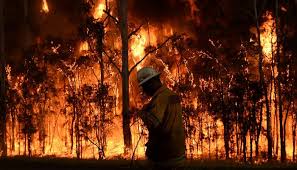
x: 123, y: 16
x: 263, y: 84
x: 216, y: 141
x: 13, y: 123
x: 244, y: 148
x: 209, y: 141
x: 251, y: 147
x: 226, y: 137
x: 276, y: 121
x: 280, y: 101
x: 259, y: 127
x: 294, y: 135
x: 29, y: 141
x: 201, y: 136
x: 3, y: 147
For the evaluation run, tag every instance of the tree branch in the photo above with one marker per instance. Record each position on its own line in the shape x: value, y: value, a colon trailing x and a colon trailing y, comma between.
x: 90, y: 140
x: 289, y: 106
x: 149, y: 52
x: 135, y: 31
x: 95, y: 74
x: 113, y: 63
x: 107, y: 12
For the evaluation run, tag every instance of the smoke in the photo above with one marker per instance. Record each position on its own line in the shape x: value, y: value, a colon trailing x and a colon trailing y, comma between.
x: 225, y: 19
x: 158, y: 10
x: 24, y: 22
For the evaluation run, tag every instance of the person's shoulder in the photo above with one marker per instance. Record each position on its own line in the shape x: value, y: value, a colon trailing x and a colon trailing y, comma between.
x: 170, y: 92
x: 171, y: 96
x: 167, y: 96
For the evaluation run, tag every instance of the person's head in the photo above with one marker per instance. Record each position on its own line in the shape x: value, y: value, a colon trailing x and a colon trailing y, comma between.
x: 149, y: 80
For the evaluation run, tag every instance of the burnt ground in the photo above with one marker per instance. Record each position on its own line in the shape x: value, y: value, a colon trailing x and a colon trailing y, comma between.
x: 74, y: 164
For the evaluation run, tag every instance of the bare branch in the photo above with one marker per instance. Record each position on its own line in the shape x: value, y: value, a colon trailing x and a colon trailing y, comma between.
x: 90, y: 140
x: 149, y: 52
x: 107, y: 12
x: 135, y: 31
x: 112, y: 62
x: 95, y: 74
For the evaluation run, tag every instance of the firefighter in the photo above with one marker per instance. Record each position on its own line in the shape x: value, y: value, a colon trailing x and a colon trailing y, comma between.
x: 163, y: 118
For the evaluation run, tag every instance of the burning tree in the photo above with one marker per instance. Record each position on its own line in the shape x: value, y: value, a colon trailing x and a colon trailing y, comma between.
x: 73, y: 91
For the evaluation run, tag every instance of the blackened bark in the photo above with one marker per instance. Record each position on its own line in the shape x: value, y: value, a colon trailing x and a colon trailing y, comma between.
x: 259, y: 127
x: 263, y: 85
x: 294, y: 134
x: 280, y: 100
x: 123, y: 16
x: 244, y: 148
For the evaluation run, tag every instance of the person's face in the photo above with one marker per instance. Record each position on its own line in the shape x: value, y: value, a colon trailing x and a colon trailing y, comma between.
x: 147, y: 88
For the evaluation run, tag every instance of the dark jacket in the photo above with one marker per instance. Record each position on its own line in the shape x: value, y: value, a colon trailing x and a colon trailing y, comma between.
x: 163, y: 117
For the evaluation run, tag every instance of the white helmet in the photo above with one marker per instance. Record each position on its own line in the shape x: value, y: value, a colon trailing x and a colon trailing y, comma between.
x: 145, y: 74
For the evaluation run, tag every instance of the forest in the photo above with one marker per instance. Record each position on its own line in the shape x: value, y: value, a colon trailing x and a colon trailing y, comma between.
x: 68, y: 76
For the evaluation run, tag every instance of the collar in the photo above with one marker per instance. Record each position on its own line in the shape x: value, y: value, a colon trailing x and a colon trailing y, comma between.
x: 160, y: 90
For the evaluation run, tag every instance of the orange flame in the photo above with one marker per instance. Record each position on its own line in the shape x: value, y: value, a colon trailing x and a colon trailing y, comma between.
x: 99, y: 10
x: 145, y: 38
x: 268, y: 36
x: 45, y: 7
x: 84, y: 46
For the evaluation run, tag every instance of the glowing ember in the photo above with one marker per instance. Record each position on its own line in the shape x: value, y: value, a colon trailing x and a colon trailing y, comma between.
x: 44, y: 8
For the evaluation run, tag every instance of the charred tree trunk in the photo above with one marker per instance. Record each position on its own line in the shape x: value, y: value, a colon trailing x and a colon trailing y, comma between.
x: 259, y: 127
x: 201, y: 135
x: 274, y: 102
x: 216, y: 140
x: 280, y: 100
x: 102, y: 88
x: 42, y: 131
x: 226, y: 135
x: 251, y: 147
x: 209, y: 142
x: 29, y: 145
x: 244, y: 148
x: 25, y: 145
x: 3, y: 147
x: 263, y: 85
x: 13, y: 123
x: 226, y: 123
x: 294, y: 119
x: 123, y: 15
x: 276, y: 121
x: 237, y: 135
x: 19, y: 138
x: 72, y: 128
x: 294, y: 140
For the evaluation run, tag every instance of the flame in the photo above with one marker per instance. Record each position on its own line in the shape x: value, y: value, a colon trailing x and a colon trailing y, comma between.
x: 268, y: 41
x: 57, y: 122
x: 45, y: 7
x: 99, y: 10
x: 268, y: 36
x: 84, y: 46
x: 147, y: 36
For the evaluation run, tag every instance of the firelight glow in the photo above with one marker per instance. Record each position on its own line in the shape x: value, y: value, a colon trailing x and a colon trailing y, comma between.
x: 45, y: 7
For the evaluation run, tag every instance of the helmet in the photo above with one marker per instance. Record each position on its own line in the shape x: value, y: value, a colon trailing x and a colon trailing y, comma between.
x: 145, y: 74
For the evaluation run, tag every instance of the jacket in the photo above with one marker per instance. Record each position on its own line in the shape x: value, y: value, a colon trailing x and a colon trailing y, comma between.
x: 163, y: 118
